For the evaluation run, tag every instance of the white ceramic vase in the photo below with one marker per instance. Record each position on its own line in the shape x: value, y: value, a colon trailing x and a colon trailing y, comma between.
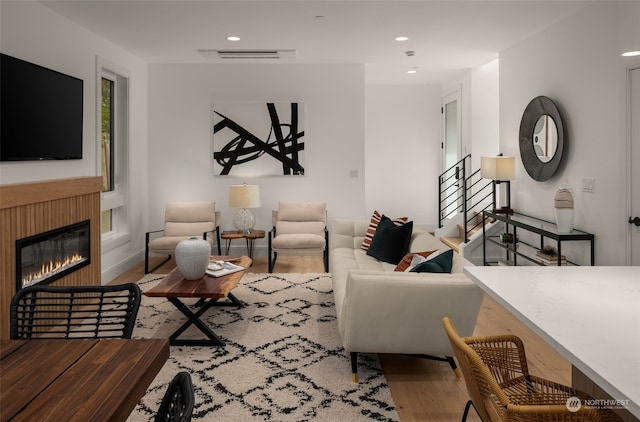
x: 564, y: 219
x: 192, y: 257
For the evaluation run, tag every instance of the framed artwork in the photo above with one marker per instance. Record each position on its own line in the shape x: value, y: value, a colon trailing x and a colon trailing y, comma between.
x: 258, y: 139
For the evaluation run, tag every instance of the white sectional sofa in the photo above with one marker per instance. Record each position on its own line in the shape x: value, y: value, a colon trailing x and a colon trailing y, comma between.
x: 383, y: 311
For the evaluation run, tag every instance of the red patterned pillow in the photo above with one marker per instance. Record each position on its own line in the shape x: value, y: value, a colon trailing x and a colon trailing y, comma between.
x: 373, y: 225
x: 406, y: 261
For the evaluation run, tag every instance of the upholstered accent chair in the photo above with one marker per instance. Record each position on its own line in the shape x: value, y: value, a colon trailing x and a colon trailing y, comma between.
x: 183, y: 220
x: 299, y: 229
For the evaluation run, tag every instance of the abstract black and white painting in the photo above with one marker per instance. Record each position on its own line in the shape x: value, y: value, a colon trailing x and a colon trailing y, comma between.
x: 258, y: 139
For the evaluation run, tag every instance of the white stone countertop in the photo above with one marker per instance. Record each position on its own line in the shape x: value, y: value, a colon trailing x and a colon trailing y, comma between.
x: 591, y: 315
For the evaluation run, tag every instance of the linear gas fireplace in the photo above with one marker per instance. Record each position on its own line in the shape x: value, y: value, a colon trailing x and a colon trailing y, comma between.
x: 46, y: 257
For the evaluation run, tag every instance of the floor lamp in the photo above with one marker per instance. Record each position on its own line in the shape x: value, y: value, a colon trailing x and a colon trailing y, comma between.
x: 501, y: 170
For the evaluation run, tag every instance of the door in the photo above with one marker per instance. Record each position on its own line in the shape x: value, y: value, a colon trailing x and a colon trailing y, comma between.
x: 634, y: 127
x: 451, y: 145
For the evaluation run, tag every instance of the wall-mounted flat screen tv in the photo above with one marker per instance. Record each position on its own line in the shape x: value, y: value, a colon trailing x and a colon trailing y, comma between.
x: 41, y: 112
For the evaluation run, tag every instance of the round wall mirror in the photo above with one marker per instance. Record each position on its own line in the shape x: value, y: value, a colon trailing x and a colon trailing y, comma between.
x: 541, y: 138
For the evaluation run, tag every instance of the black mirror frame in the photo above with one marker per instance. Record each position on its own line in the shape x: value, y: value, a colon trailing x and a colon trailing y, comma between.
x: 536, y: 168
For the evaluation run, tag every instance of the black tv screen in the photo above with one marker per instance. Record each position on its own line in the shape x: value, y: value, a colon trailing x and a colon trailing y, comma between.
x: 41, y: 112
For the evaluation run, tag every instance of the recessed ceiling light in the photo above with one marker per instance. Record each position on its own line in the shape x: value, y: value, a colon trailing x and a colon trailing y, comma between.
x: 631, y: 53
x: 402, y: 38
x: 412, y: 71
x: 233, y: 38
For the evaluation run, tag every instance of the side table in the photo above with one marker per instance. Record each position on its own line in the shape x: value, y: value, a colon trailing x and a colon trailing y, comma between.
x: 250, y: 238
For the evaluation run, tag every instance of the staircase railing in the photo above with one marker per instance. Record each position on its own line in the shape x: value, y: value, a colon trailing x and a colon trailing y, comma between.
x: 464, y: 191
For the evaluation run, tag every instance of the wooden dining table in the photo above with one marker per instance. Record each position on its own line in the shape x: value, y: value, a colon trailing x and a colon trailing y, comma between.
x: 76, y: 380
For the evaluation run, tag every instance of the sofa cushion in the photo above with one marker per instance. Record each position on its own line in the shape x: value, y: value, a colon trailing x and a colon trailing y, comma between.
x: 442, y: 263
x: 373, y: 225
x: 348, y: 233
x: 390, y: 242
x: 406, y: 260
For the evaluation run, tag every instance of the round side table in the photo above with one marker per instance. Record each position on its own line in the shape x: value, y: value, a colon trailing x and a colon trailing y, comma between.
x: 249, y: 237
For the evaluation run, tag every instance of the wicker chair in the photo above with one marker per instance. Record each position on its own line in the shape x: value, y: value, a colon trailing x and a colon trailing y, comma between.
x: 501, y: 388
x: 177, y: 403
x: 74, y: 312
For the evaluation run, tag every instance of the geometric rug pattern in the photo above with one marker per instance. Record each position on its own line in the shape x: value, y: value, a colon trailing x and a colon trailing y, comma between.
x: 282, y: 361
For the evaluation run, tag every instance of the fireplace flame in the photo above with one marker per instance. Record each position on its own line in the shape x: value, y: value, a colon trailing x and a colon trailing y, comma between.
x: 51, y: 268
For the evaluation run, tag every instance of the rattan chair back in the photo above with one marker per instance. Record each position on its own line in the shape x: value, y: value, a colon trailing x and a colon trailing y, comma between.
x: 178, y: 401
x: 74, y: 312
x: 466, y: 367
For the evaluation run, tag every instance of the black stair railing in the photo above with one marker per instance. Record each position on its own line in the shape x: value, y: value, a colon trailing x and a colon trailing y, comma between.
x: 464, y: 191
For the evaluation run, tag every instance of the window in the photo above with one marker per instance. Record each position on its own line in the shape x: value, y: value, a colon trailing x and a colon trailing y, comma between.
x: 106, y: 149
x: 113, y: 142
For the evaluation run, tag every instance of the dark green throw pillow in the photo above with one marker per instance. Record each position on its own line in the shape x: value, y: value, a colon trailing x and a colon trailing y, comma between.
x: 390, y: 242
x: 442, y: 263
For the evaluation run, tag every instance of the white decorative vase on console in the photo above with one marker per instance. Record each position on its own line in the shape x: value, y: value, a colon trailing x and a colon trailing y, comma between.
x: 563, y: 204
x: 192, y: 257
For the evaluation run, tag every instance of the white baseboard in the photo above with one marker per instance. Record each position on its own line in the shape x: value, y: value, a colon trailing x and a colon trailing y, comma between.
x: 123, y: 266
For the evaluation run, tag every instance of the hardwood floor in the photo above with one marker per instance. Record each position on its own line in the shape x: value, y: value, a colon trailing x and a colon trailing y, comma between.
x: 424, y: 390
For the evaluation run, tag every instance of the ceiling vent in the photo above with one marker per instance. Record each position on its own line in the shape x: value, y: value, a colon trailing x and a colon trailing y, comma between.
x: 249, y: 54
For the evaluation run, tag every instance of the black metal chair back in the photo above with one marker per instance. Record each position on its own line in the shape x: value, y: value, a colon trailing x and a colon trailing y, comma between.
x: 75, y: 312
x: 178, y: 401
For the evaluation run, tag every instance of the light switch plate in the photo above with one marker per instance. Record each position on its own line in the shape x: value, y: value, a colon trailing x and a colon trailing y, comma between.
x: 589, y: 185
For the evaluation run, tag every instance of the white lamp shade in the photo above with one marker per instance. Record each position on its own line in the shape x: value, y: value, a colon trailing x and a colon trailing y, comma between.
x: 244, y: 196
x: 498, y: 168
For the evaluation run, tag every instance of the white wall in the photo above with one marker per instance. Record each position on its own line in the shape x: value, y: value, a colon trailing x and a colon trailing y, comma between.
x: 181, y: 104
x: 485, y: 106
x: 32, y: 32
x: 402, y: 151
x: 580, y: 68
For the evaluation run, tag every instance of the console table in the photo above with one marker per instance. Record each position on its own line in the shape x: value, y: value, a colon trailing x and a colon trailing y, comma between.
x: 528, y: 250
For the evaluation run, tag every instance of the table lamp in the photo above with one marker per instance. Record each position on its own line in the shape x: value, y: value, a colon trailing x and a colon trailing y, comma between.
x: 501, y: 170
x: 244, y: 197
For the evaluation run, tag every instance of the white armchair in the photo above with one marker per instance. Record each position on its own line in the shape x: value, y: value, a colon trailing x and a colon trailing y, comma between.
x: 299, y: 229
x: 183, y: 220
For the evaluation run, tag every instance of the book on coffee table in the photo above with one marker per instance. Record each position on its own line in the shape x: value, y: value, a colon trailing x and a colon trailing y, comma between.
x: 220, y: 268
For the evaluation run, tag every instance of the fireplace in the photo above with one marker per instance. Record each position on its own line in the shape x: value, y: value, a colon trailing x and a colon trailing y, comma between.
x: 46, y: 257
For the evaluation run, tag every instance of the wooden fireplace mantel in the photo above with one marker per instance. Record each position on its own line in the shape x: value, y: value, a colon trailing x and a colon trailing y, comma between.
x: 30, y: 193
x: 31, y: 208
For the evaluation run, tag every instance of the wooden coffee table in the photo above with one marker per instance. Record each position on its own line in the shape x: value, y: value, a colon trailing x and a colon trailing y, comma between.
x: 209, y: 289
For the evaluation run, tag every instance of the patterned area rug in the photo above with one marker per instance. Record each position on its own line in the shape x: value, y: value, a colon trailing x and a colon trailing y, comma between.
x: 283, y: 359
